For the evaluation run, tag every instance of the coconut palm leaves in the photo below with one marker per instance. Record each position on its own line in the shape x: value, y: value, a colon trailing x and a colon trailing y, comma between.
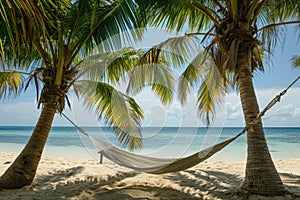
x: 154, y: 71
x: 224, y: 35
x: 94, y: 86
x: 10, y: 84
x: 92, y: 22
x: 236, y: 35
x: 157, y: 76
x: 180, y: 13
x: 110, y: 66
x: 60, y: 36
x: 178, y: 52
x: 117, y: 109
x: 91, y: 80
x: 15, y: 27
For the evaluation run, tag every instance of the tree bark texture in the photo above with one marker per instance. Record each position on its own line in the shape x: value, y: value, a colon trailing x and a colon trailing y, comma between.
x: 23, y: 169
x: 261, y: 175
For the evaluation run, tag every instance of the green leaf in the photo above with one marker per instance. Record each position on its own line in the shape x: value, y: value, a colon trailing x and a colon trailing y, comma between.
x: 210, y: 95
x: 110, y: 19
x: 234, y: 9
x: 117, y: 109
x: 176, y: 14
x: 23, y: 23
x: 192, y: 75
x: 157, y: 76
x: 10, y: 84
x: 176, y: 51
x: 110, y: 67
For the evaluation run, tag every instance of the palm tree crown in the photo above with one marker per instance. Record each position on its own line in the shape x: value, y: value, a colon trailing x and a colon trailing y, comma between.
x: 236, y: 36
x: 226, y: 27
x: 53, y: 39
x: 55, y: 59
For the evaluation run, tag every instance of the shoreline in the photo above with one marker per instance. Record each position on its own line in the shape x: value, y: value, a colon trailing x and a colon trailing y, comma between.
x: 71, y: 178
x: 83, y: 153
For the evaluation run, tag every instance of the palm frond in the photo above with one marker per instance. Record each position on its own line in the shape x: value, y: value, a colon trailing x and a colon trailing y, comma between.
x: 157, y: 76
x: 193, y: 74
x: 15, y: 27
x: 273, y: 17
x: 105, y: 21
x: 210, y: 95
x: 117, y: 109
x: 234, y: 9
x: 110, y: 67
x: 280, y: 10
x: 176, y: 51
x: 254, y: 10
x: 35, y: 78
x: 197, y: 14
x: 10, y: 84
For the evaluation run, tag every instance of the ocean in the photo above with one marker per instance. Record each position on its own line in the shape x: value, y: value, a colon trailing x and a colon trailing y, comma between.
x: 157, y: 141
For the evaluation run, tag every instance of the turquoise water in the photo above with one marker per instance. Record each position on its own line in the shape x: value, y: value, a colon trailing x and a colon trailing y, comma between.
x: 159, y: 142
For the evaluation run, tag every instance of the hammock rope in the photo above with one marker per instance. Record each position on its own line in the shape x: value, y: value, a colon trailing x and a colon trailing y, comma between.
x: 275, y: 100
x: 164, y: 165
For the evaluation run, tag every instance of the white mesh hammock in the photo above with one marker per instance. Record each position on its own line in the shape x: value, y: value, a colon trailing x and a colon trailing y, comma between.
x: 150, y: 164
x: 156, y: 165
x: 162, y: 165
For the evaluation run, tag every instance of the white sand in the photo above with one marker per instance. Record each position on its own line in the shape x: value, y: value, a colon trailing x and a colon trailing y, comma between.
x: 68, y: 178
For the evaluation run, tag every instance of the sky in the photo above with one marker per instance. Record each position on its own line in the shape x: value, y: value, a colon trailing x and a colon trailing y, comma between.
x: 278, y: 74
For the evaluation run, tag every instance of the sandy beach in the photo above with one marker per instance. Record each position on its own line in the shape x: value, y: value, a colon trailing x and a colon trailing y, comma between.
x: 70, y: 178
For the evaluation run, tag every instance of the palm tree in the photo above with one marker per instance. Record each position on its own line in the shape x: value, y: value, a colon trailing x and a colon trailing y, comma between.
x: 50, y: 55
x: 236, y: 35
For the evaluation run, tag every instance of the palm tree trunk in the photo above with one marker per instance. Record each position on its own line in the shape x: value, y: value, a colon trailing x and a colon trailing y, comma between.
x: 261, y: 175
x: 23, y: 169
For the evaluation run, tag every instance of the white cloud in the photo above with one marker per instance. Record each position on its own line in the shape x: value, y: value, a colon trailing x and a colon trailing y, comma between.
x: 284, y: 113
x: 234, y: 114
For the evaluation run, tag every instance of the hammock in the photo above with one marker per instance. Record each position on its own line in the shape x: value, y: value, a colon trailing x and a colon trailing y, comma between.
x: 161, y: 165
x: 150, y: 164
x: 156, y: 165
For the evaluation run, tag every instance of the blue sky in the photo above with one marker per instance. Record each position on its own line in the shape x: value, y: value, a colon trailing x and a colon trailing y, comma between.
x: 279, y: 71
x: 278, y: 74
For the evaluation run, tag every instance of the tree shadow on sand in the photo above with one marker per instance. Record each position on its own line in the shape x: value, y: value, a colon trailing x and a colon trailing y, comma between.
x: 193, y: 184
x: 144, y: 192
x: 212, y: 184
x: 59, y: 175
x: 98, y: 187
x: 220, y: 185
x: 77, y: 187
x: 46, y: 187
x: 292, y: 181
